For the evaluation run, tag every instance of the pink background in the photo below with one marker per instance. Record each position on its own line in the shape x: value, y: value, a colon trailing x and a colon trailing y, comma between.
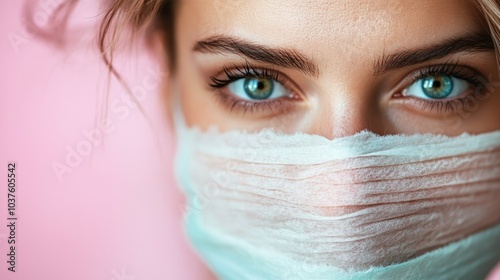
x: 116, y: 213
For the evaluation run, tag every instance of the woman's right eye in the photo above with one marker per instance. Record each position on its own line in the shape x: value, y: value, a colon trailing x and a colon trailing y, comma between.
x: 256, y: 88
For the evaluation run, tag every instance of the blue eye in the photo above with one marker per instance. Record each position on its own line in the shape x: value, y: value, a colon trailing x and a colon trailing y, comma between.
x: 254, y: 88
x: 437, y: 87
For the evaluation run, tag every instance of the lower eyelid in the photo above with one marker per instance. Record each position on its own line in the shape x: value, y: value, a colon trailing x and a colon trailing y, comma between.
x: 441, y: 106
x: 264, y: 108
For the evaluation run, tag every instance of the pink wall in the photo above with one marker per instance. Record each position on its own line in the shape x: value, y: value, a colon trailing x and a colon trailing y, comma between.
x: 113, y: 212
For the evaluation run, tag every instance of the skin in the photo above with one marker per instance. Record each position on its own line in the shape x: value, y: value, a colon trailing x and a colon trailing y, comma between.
x: 344, y: 40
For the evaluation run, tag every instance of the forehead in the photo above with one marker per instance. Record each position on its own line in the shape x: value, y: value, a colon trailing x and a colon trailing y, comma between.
x: 320, y: 28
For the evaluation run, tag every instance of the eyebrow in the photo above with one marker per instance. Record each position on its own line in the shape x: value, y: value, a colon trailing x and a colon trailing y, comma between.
x: 290, y: 58
x: 472, y: 42
x: 283, y: 57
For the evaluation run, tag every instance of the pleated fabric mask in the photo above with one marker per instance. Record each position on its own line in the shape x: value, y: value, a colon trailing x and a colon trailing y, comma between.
x: 267, y: 205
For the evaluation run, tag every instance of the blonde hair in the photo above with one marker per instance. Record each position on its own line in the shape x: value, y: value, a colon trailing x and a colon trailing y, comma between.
x: 490, y: 10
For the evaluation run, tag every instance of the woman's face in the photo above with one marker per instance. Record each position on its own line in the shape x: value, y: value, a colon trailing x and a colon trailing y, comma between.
x: 335, y: 68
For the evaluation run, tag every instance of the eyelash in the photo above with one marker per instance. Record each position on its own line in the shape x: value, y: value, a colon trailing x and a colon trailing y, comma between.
x: 440, y: 106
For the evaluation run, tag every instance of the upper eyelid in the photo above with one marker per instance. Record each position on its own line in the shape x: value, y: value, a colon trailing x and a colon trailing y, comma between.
x: 239, y: 72
x: 236, y: 73
x: 453, y: 69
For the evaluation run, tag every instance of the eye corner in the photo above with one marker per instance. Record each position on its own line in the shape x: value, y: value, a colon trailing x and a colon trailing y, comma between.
x: 398, y: 94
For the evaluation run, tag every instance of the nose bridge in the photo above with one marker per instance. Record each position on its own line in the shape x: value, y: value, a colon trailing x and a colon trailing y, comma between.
x: 344, y: 112
x: 349, y: 114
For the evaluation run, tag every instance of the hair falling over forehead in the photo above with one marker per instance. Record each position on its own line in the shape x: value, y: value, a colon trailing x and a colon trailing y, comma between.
x: 138, y: 15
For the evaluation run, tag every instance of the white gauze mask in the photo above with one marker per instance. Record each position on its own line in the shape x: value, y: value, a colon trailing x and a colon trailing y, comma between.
x: 268, y: 205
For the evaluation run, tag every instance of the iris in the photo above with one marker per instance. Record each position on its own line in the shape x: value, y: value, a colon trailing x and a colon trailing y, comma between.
x: 437, y: 87
x: 258, y: 88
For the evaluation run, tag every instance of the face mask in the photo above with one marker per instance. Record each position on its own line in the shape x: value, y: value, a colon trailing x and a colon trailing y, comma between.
x: 267, y: 205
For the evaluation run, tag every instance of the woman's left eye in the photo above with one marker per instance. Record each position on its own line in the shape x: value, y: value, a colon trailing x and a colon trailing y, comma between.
x: 437, y: 87
x: 256, y: 88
